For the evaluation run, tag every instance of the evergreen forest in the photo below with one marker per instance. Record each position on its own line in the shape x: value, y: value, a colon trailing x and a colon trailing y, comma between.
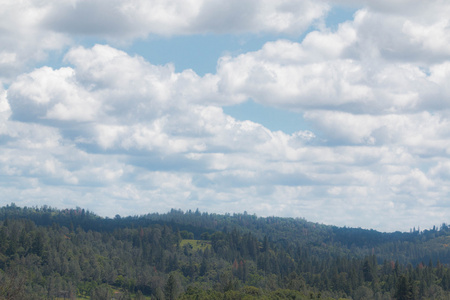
x: 48, y: 253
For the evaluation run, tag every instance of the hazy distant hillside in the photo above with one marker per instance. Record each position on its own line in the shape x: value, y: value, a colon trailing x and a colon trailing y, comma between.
x: 47, y: 253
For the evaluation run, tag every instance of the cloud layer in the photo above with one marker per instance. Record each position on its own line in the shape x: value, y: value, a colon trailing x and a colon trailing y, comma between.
x: 117, y: 134
x: 30, y: 29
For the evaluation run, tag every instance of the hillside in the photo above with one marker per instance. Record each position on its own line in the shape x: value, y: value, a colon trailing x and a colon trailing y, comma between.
x: 47, y: 253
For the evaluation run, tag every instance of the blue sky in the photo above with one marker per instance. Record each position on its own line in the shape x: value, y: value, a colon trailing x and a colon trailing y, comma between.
x: 336, y: 111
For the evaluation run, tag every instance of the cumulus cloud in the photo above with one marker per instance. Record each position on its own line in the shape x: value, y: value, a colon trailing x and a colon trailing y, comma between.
x: 140, y: 18
x: 23, y: 38
x: 371, y: 64
x: 408, y: 8
x: 418, y: 131
x: 47, y: 94
x: 110, y: 101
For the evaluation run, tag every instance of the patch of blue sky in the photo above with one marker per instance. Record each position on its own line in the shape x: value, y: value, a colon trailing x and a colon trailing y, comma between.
x: 198, y: 52
x: 54, y: 59
x: 339, y: 14
x: 270, y: 117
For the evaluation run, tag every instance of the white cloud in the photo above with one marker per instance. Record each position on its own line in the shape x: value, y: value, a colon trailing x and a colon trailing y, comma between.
x: 23, y: 39
x: 105, y: 111
x: 47, y: 94
x: 292, y: 17
x: 422, y: 132
x: 4, y: 105
x: 441, y: 170
x: 413, y: 9
x: 125, y: 19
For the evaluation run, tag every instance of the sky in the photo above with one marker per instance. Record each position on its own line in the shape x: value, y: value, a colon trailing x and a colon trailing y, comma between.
x: 336, y: 111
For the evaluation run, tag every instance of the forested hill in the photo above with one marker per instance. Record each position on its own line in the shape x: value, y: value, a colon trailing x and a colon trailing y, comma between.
x: 47, y: 253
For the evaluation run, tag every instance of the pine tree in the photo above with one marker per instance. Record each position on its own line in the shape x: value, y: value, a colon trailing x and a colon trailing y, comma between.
x: 404, y: 289
x: 170, y: 288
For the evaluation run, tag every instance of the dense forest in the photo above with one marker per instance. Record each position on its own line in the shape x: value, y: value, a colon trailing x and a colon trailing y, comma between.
x: 47, y: 253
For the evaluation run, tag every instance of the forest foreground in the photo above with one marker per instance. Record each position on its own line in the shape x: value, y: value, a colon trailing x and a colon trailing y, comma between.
x: 48, y: 253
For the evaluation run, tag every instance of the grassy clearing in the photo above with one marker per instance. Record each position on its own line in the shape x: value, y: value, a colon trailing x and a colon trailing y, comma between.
x: 196, y: 244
